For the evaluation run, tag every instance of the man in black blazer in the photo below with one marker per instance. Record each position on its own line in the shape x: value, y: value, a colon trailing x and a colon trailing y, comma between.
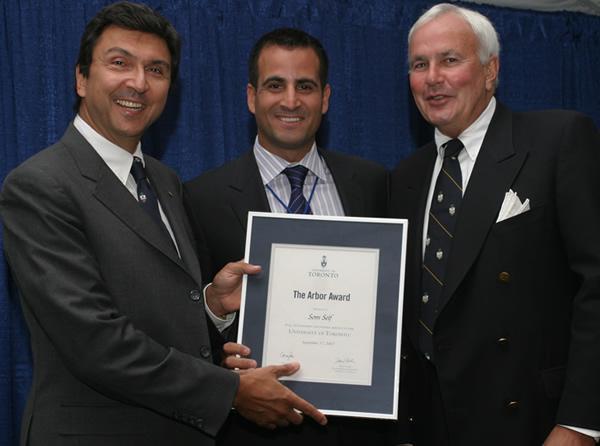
x: 102, y: 253
x: 507, y: 348
x: 288, y: 93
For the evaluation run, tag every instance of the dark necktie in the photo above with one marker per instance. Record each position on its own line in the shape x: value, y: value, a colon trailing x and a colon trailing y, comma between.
x: 445, y: 206
x: 146, y: 196
x: 296, y: 176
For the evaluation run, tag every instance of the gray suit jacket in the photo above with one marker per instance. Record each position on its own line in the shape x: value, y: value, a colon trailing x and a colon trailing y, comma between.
x: 118, y: 330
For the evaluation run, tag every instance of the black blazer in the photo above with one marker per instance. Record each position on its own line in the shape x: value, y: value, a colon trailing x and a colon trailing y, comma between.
x: 517, y: 339
x: 118, y: 331
x: 219, y: 200
x: 218, y: 203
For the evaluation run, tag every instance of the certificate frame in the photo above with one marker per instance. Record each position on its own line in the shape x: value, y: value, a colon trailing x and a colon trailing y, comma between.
x: 379, y: 399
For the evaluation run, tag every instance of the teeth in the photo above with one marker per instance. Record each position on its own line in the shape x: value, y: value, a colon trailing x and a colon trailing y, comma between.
x: 290, y: 119
x: 129, y: 104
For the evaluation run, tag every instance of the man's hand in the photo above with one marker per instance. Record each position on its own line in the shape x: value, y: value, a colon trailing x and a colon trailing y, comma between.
x: 235, y: 357
x: 262, y: 399
x: 224, y: 294
x: 562, y: 436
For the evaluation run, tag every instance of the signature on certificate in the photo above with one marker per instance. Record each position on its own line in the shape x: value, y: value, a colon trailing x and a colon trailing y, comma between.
x: 345, y: 360
x: 287, y: 356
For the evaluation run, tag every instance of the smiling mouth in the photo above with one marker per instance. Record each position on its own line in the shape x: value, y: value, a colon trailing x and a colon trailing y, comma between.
x: 129, y: 104
x: 437, y: 97
x: 290, y: 119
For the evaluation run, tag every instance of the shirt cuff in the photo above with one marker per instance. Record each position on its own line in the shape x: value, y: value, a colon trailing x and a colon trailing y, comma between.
x: 589, y: 432
x: 220, y: 323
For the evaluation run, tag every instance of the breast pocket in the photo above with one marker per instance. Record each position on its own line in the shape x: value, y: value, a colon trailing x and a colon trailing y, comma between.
x: 532, y: 217
x: 515, y: 243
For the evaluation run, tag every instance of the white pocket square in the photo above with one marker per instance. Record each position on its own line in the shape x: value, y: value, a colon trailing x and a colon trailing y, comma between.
x: 512, y: 206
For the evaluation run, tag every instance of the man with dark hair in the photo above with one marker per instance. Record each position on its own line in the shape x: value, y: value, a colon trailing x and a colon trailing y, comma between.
x: 101, y: 251
x: 132, y: 16
x: 502, y: 296
x: 288, y: 94
x: 287, y: 38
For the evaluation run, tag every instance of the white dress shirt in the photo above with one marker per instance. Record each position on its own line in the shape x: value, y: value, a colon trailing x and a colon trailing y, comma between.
x: 325, y: 199
x: 472, y: 139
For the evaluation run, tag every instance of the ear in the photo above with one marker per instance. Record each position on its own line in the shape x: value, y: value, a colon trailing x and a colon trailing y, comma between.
x: 80, y: 82
x: 251, y: 97
x: 492, y: 67
x: 326, y: 95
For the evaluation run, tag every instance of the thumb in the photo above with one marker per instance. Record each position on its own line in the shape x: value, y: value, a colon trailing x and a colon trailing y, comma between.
x: 240, y: 267
x: 286, y: 369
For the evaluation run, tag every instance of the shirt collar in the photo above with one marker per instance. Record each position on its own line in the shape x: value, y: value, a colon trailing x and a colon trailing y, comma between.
x: 472, y: 137
x: 271, y: 165
x: 116, y: 158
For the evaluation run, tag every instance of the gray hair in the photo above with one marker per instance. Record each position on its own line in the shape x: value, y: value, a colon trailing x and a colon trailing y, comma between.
x: 487, y: 37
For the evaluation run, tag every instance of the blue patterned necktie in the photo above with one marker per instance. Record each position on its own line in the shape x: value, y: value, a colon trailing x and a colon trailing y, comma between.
x: 445, y: 206
x: 146, y: 196
x: 296, y: 176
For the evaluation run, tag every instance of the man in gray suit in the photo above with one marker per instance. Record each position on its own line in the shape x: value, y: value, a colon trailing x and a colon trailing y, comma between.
x: 100, y: 248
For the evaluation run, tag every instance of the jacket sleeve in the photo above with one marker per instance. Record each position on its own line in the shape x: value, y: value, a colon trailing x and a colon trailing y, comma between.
x: 578, y: 207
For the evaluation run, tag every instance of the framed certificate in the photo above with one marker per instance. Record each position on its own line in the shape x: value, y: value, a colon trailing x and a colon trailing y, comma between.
x: 329, y: 297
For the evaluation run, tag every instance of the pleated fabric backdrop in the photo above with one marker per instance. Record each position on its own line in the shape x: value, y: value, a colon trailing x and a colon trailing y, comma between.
x: 548, y: 60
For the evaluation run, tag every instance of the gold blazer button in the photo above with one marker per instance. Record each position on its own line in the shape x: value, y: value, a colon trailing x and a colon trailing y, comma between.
x: 504, y: 277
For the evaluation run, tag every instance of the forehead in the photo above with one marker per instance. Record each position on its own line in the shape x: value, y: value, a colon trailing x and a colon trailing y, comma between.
x: 137, y: 43
x: 444, y: 34
x: 275, y: 60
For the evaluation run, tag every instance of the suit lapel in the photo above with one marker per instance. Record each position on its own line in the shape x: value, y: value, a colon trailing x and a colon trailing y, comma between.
x: 114, y: 195
x: 246, y: 189
x: 494, y: 172
x: 171, y: 205
x: 351, y: 195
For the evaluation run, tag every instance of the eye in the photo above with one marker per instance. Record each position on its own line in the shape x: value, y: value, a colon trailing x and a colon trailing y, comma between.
x: 418, y: 66
x: 274, y: 86
x: 118, y: 63
x: 450, y: 60
x: 157, y: 70
x: 306, y: 87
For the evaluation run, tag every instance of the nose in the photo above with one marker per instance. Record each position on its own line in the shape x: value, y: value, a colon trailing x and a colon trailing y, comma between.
x: 138, y: 80
x: 290, y: 97
x: 434, y: 74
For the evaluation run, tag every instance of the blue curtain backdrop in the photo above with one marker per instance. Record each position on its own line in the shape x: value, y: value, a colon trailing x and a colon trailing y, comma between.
x: 548, y: 60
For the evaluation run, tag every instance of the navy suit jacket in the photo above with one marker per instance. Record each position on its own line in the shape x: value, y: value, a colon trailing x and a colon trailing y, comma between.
x: 516, y: 340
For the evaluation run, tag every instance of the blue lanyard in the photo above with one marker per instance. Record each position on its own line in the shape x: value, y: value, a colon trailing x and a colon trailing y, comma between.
x: 287, y: 209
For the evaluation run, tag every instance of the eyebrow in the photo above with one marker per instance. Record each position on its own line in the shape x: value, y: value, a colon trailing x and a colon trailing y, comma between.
x: 307, y: 81
x: 124, y: 52
x: 302, y: 80
x: 450, y: 53
x: 445, y: 53
x: 418, y: 58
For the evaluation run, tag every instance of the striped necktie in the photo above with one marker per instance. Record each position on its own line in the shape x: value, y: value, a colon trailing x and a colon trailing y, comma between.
x: 445, y: 207
x: 296, y: 176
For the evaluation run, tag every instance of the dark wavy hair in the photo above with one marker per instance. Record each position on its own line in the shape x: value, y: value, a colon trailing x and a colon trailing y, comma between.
x: 132, y: 16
